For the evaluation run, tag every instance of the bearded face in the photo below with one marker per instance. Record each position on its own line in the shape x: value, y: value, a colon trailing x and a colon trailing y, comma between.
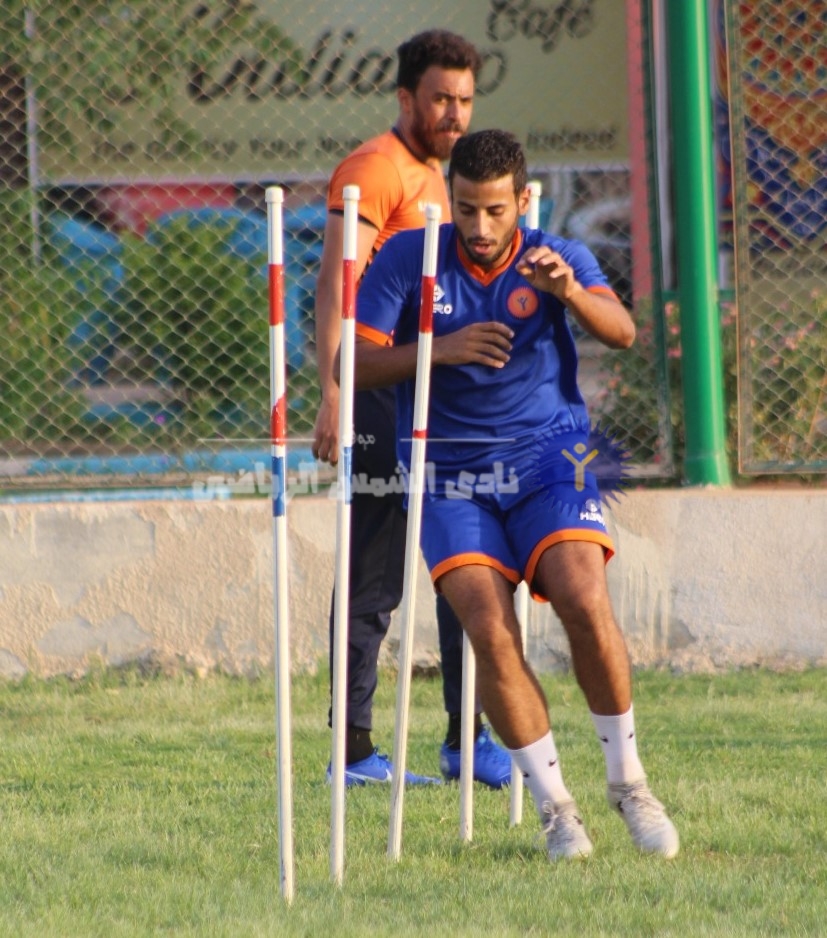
x: 439, y: 111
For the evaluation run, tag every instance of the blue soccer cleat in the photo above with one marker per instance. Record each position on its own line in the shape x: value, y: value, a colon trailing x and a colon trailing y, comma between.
x: 492, y: 764
x: 377, y: 770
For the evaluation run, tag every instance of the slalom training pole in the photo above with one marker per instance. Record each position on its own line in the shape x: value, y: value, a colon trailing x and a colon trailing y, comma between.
x: 466, y: 756
x: 532, y: 218
x: 516, y: 806
x: 274, y: 197
x: 343, y: 511
x: 466, y: 762
x: 416, y: 486
x: 535, y: 190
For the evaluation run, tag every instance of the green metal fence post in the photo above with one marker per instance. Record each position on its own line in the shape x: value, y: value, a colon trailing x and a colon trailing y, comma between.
x: 694, y: 187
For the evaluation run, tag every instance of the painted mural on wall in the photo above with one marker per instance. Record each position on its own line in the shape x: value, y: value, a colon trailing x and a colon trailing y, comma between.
x: 782, y: 78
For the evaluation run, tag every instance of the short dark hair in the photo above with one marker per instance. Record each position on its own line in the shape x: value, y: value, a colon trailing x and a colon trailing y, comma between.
x: 434, y: 47
x: 489, y: 154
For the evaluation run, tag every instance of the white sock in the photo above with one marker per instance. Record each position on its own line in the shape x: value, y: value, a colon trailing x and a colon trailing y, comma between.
x: 617, y: 736
x: 540, y: 766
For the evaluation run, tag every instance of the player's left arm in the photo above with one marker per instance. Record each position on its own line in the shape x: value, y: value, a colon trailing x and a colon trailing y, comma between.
x: 595, y: 307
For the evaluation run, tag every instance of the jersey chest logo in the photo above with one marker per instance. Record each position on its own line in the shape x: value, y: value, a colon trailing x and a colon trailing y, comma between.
x: 439, y: 307
x: 522, y: 302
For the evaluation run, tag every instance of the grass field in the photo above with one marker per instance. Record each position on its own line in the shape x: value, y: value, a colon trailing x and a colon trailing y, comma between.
x: 135, y: 805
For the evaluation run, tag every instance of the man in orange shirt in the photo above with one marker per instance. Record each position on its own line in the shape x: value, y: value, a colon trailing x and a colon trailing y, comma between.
x: 398, y: 173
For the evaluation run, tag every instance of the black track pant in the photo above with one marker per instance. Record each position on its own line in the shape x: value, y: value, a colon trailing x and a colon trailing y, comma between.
x: 377, y: 560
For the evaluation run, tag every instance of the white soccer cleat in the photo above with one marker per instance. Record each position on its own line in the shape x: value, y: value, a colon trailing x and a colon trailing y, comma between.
x: 645, y: 817
x: 566, y: 837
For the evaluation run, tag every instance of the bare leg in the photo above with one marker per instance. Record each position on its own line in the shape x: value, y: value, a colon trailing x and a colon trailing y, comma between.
x: 572, y: 575
x: 511, y: 696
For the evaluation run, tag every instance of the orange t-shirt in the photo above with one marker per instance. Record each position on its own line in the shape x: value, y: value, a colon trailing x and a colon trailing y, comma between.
x: 394, y: 186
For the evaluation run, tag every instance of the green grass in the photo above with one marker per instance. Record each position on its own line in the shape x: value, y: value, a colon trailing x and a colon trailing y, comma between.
x: 146, y: 806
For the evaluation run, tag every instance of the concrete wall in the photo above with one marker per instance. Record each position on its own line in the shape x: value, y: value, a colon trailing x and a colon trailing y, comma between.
x: 702, y: 580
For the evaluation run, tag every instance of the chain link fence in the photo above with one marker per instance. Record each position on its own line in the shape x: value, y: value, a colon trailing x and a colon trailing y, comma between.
x: 136, y: 141
x: 776, y: 334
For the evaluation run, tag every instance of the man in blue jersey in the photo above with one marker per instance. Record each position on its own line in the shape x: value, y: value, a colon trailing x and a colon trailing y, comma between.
x: 511, y: 495
x: 398, y: 173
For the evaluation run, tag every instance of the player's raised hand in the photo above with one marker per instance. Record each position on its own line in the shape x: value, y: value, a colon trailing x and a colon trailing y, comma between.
x: 483, y: 343
x: 546, y: 270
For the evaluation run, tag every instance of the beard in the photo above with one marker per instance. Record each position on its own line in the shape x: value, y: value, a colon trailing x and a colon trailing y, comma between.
x: 436, y: 142
x: 494, y: 250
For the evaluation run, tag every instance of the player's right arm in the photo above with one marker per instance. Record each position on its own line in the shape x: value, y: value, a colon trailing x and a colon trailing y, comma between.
x: 387, y: 316
x: 380, y: 365
x: 328, y: 312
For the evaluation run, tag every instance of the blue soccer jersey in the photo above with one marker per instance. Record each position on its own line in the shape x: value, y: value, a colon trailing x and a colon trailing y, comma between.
x: 477, y: 411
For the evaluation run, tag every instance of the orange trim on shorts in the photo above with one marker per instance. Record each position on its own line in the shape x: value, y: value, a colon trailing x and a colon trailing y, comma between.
x: 567, y: 534
x: 470, y: 559
x: 373, y: 335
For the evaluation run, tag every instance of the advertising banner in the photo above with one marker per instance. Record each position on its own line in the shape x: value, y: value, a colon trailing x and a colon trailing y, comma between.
x: 283, y: 88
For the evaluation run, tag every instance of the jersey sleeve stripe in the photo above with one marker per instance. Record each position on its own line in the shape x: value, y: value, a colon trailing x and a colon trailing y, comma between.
x: 373, y: 335
x: 605, y: 291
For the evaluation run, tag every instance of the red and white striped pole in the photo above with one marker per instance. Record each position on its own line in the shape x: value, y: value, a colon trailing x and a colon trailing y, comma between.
x: 274, y: 198
x: 469, y: 665
x: 343, y: 511
x: 416, y: 488
x: 535, y: 190
x: 466, y: 755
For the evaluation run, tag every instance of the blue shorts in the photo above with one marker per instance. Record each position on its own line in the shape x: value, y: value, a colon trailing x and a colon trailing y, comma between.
x: 504, y: 514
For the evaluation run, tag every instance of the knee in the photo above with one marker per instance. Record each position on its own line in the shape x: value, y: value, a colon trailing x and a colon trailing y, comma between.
x: 495, y: 640
x: 584, y: 610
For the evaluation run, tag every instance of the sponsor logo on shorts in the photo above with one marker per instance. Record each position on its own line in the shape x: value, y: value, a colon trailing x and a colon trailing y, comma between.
x: 591, y: 511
